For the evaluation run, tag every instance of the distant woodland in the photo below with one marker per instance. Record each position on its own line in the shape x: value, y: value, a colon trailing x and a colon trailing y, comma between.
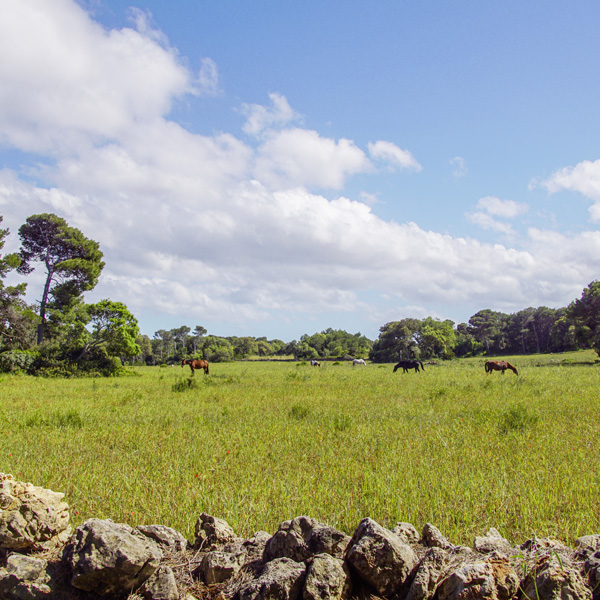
x: 64, y: 336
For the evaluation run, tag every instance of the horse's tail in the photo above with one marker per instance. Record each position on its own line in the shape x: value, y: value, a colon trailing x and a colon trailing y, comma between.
x: 487, y: 367
x: 422, y: 367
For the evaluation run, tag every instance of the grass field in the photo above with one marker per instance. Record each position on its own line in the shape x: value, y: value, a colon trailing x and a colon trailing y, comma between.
x: 257, y: 443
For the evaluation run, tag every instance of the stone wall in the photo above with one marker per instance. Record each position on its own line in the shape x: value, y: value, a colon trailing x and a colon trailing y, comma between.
x: 41, y: 557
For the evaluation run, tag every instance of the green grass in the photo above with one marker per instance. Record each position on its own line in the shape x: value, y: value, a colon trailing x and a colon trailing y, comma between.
x: 258, y: 443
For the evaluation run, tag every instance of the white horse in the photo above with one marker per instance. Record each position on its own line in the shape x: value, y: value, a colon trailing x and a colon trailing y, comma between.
x: 359, y: 361
x: 315, y: 363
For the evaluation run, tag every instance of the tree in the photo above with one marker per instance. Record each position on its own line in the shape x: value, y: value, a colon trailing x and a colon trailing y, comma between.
x: 437, y: 338
x: 113, y: 328
x: 73, y: 262
x: 487, y: 328
x: 197, y: 334
x: 14, y: 322
x: 585, y: 312
x: 397, y: 340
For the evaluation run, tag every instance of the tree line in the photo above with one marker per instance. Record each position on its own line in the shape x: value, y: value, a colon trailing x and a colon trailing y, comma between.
x: 61, y: 334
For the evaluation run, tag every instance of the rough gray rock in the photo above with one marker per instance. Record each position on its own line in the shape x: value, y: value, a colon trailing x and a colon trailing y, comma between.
x: 492, y: 542
x: 407, y: 533
x: 217, y: 566
x: 552, y: 578
x: 165, y: 537
x: 327, y: 578
x: 432, y: 538
x: 484, y: 580
x: 110, y: 558
x: 161, y: 585
x: 212, y: 532
x: 281, y: 579
x: 31, y: 517
x: 24, y: 578
x: 303, y: 537
x: 380, y: 557
x: 428, y: 574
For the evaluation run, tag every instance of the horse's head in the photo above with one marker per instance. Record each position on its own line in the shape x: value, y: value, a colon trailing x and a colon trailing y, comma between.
x: 183, y: 362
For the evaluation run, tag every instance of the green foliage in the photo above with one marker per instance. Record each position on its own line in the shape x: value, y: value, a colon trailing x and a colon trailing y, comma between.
x: 16, y: 360
x: 73, y: 263
x: 586, y: 314
x: 15, y: 320
x: 58, y: 360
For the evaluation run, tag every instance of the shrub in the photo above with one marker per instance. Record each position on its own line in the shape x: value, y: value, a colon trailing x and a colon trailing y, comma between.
x: 15, y: 360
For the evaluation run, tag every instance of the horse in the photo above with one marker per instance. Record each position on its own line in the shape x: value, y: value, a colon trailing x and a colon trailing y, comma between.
x: 315, y: 363
x: 409, y: 364
x: 499, y: 365
x: 359, y: 361
x: 195, y: 364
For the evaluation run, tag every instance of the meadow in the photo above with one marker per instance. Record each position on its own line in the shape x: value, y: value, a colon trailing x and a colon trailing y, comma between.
x: 256, y: 443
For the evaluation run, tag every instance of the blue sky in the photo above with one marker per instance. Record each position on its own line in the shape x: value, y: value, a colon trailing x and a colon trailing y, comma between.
x: 271, y: 168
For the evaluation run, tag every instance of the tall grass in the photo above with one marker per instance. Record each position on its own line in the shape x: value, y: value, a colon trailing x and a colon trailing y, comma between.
x: 259, y: 443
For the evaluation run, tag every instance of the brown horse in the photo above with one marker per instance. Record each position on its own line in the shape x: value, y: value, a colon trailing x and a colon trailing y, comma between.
x: 195, y: 364
x: 499, y: 365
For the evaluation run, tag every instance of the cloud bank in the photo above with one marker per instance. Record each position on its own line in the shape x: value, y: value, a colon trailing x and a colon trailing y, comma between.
x: 238, y: 229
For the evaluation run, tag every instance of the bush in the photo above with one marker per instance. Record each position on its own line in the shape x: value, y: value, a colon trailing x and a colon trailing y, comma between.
x: 16, y: 360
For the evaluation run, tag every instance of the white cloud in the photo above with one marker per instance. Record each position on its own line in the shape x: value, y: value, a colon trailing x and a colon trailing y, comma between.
x: 491, y: 209
x: 459, y: 167
x: 208, y: 77
x: 584, y: 178
x: 506, y: 209
x: 66, y: 81
x: 260, y: 118
x: 396, y: 157
x: 211, y: 228
x: 300, y: 157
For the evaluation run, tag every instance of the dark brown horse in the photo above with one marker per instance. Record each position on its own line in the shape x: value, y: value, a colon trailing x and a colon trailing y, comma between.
x: 405, y: 365
x: 195, y: 364
x: 499, y: 365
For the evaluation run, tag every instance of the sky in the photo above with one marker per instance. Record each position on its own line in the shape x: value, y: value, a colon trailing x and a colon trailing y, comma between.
x: 277, y: 168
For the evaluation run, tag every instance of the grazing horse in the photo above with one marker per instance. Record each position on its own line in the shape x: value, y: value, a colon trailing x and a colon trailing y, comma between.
x: 359, y: 361
x: 499, y: 365
x: 315, y: 363
x: 195, y: 364
x: 409, y: 364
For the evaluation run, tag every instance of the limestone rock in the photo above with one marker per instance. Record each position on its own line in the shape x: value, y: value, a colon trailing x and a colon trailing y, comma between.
x: 281, y: 579
x: 380, y: 557
x: 31, y: 517
x: 432, y: 537
x: 484, y: 580
x: 303, y: 537
x: 492, y: 542
x: 166, y: 537
x: 428, y: 574
x: 327, y: 578
x: 25, y: 577
x: 110, y: 558
x: 218, y: 566
x: 407, y: 533
x: 554, y: 579
x: 212, y: 532
x: 161, y: 585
